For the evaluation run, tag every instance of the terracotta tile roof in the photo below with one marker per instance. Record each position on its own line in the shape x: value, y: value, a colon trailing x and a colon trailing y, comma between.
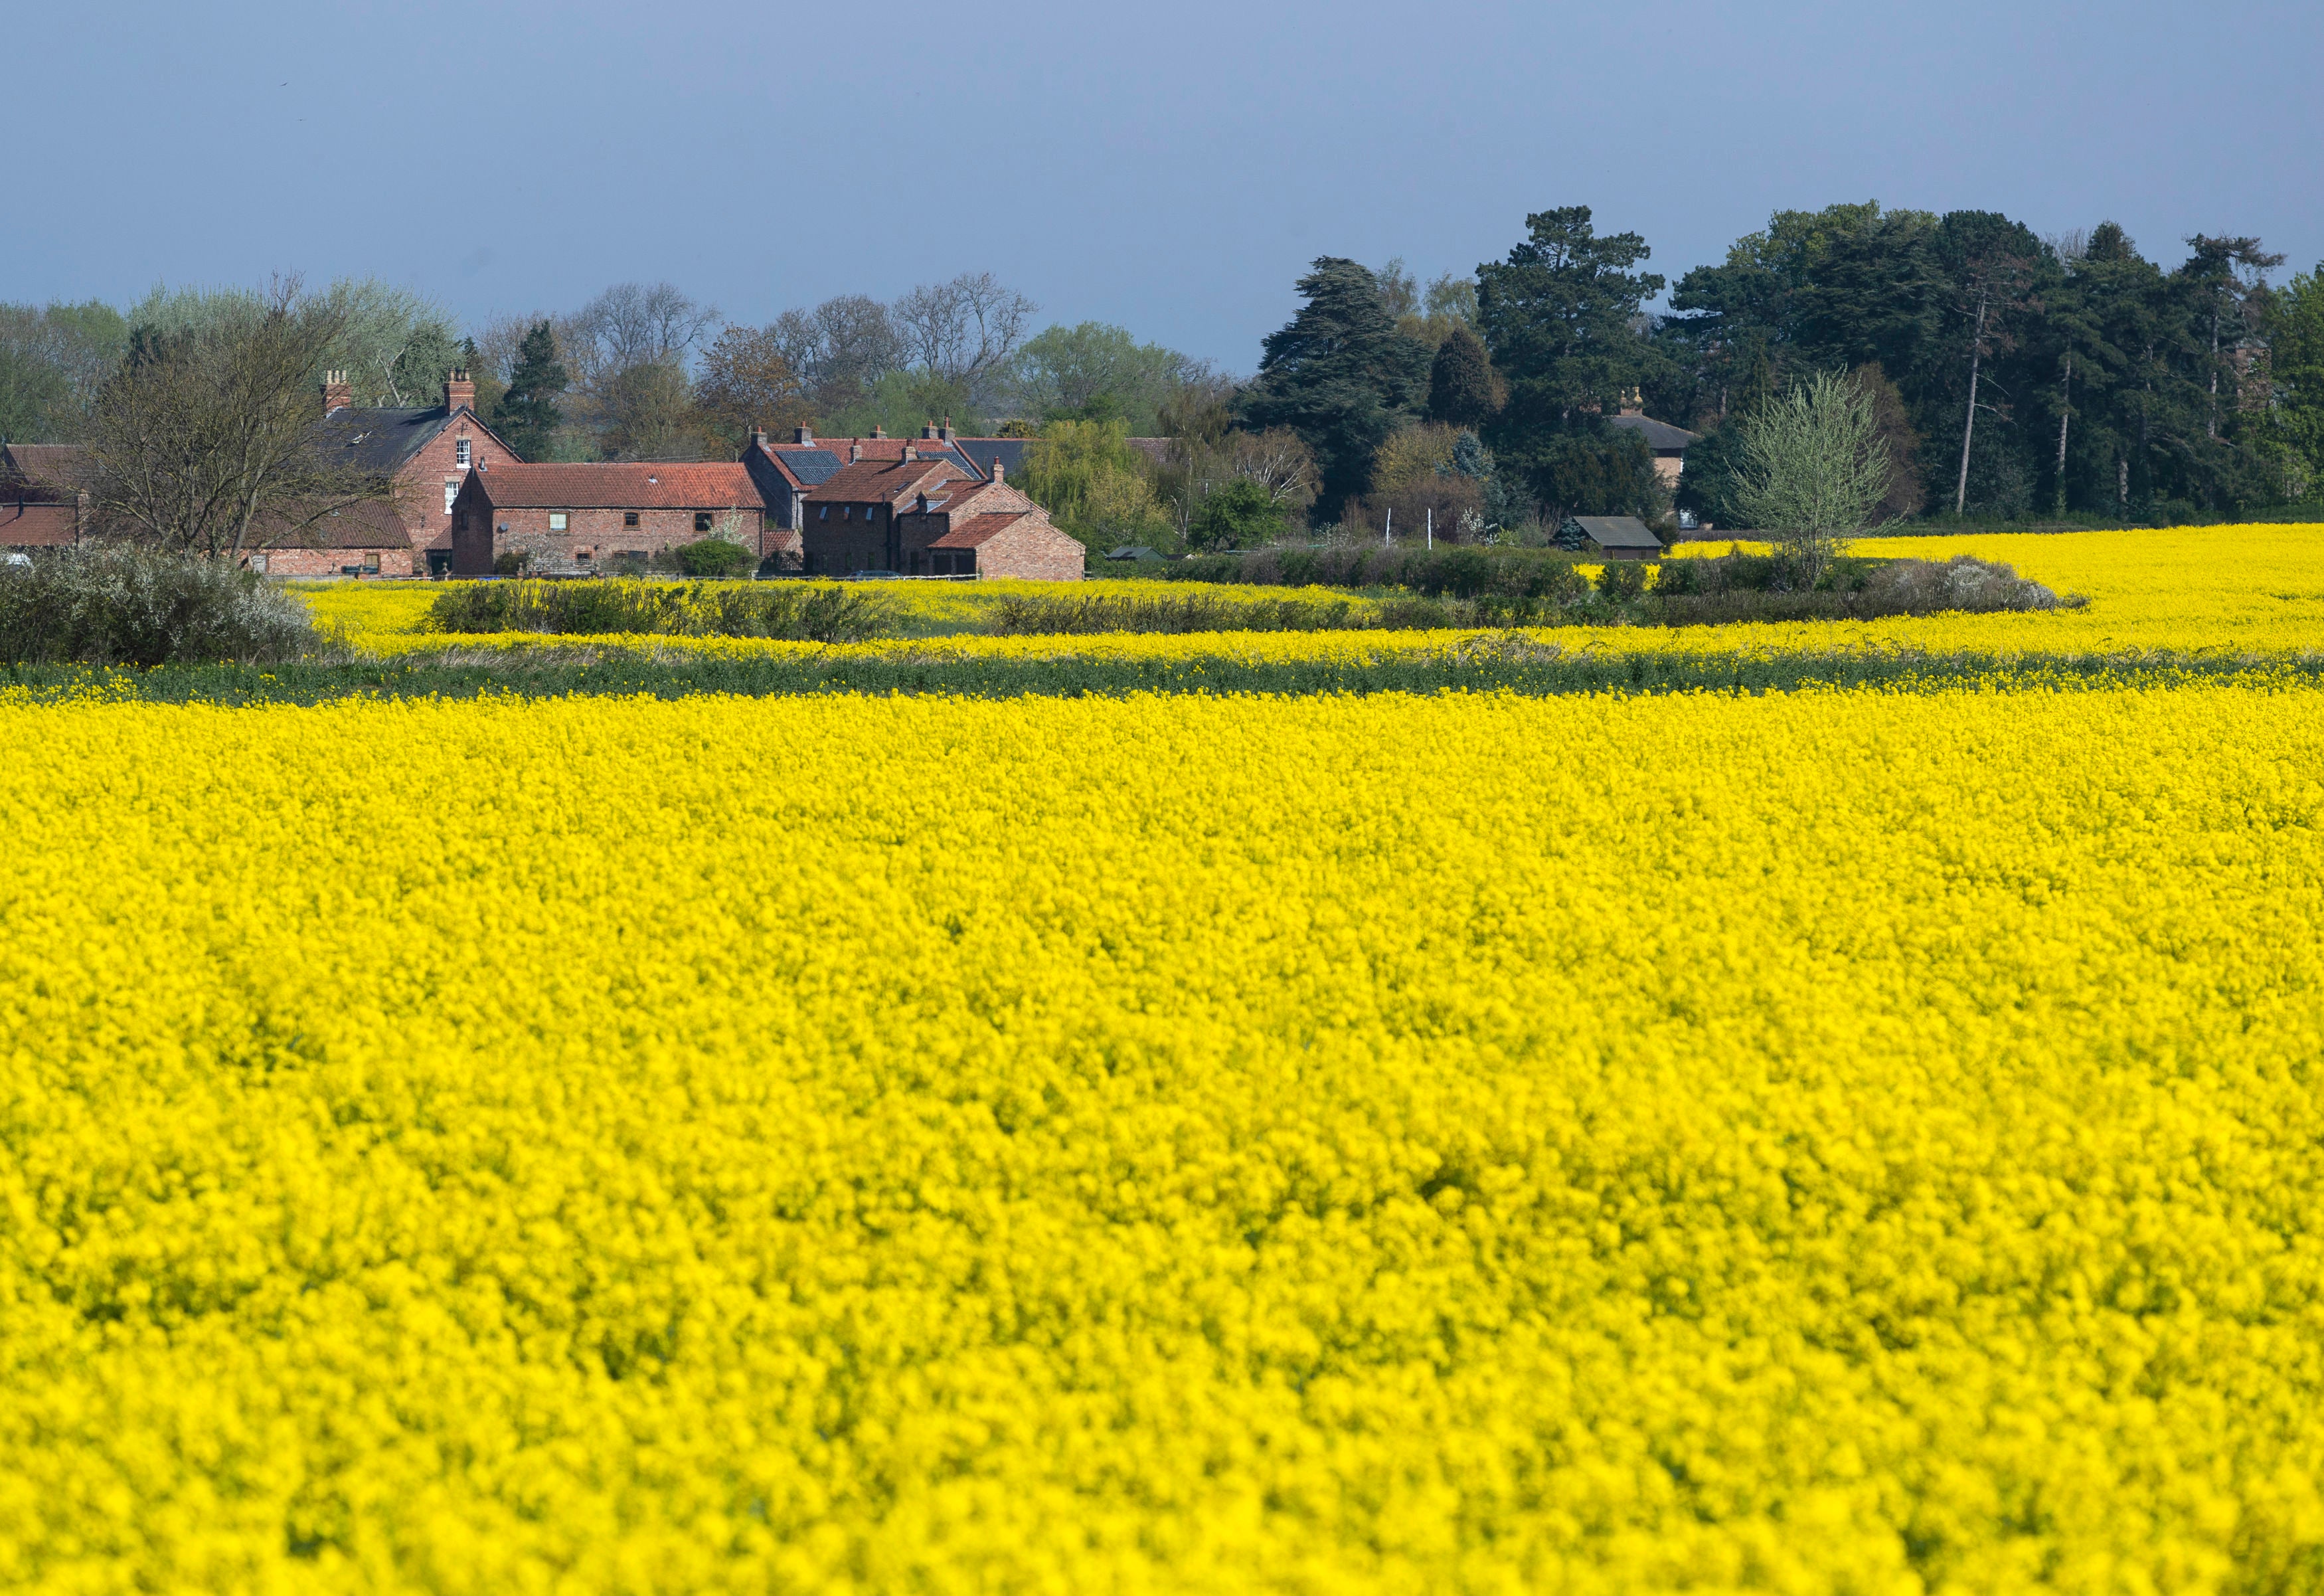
x: 35, y: 469
x: 883, y: 482
x: 35, y: 526
x: 649, y: 485
x: 370, y: 525
x: 978, y: 529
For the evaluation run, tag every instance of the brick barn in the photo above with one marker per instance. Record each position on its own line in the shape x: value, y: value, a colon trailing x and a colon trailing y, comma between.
x: 428, y: 452
x: 573, y: 520
x: 368, y: 539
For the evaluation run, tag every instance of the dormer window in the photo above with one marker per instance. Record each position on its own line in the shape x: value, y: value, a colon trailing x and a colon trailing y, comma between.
x: 460, y: 454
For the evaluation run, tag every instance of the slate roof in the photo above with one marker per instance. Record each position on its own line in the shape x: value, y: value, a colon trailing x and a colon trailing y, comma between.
x: 1660, y: 435
x: 983, y: 451
x: 1617, y: 532
x: 623, y: 485
x: 883, y: 482
x: 809, y: 463
x: 382, y: 439
x: 978, y: 529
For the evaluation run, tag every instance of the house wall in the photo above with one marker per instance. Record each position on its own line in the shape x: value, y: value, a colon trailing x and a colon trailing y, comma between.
x: 333, y: 562
x: 590, y: 537
x: 836, y: 547
x: 1032, y: 550
x: 1668, y: 464
x: 420, y: 485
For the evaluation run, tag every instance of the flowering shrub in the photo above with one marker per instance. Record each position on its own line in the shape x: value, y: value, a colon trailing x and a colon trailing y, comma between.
x: 1814, y: 1143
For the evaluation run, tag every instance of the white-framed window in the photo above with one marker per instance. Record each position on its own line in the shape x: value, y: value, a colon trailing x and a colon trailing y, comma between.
x: 460, y: 455
x: 451, y: 491
x: 556, y: 521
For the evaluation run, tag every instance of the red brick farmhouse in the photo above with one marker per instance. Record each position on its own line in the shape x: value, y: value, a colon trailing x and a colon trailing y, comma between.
x: 573, y: 520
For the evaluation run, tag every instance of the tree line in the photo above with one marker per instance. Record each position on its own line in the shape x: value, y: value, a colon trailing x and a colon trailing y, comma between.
x: 2008, y: 375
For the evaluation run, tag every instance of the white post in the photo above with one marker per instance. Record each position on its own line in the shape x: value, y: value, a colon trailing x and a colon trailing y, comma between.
x: 1431, y: 525
x: 1387, y: 532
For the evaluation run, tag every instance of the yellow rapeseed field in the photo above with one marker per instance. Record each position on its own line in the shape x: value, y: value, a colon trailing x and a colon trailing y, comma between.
x: 2241, y: 590
x: 1830, y: 1142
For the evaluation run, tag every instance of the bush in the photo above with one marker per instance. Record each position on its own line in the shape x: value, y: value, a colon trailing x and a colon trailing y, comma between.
x: 512, y: 562
x: 1463, y: 571
x: 712, y: 558
x: 796, y: 611
x: 1620, y: 579
x: 123, y: 604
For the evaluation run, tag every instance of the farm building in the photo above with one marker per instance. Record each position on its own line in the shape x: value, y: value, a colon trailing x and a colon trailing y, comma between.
x: 1613, y: 537
x: 573, y: 520
x: 367, y: 539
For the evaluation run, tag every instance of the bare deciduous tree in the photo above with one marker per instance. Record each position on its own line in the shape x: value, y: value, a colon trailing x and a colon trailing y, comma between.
x: 840, y: 348
x: 209, y: 434
x: 631, y: 325
x: 964, y: 329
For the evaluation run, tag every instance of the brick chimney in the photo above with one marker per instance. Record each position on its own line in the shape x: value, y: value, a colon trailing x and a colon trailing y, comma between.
x: 999, y: 472
x: 802, y: 435
x: 459, y: 393
x: 854, y: 453
x: 339, y: 393
x: 1632, y: 403
x: 944, y: 431
x: 910, y: 454
x: 879, y: 432
x: 758, y: 436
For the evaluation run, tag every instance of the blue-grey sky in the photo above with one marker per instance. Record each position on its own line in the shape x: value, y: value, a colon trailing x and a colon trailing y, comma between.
x: 1170, y: 169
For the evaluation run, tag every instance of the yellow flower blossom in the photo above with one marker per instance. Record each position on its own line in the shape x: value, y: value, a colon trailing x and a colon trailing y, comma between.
x: 1832, y: 1141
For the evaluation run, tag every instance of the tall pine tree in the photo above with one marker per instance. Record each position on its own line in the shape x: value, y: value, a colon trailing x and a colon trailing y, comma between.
x: 1340, y: 375
x: 527, y: 416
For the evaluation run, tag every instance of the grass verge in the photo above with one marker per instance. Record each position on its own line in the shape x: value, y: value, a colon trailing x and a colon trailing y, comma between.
x: 1511, y: 662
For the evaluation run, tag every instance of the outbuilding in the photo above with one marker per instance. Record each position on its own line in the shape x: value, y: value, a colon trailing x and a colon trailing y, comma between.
x: 1613, y: 537
x: 371, y: 539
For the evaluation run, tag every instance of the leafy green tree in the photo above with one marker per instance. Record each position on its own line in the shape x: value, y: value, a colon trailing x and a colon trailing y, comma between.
x: 1595, y: 469
x: 1339, y: 374
x: 1238, y: 513
x: 32, y: 392
x: 1093, y: 483
x: 528, y: 415
x: 1561, y: 319
x: 1813, y: 471
x: 1462, y: 389
x: 1095, y: 372
x: 2296, y: 367
x: 1564, y: 320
